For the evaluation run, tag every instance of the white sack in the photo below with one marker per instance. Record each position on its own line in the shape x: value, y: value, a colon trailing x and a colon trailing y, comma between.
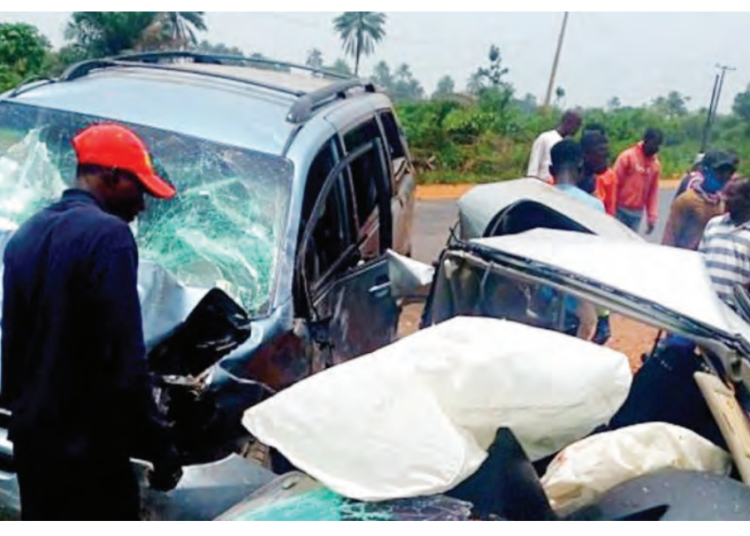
x: 414, y: 418
x: 585, y: 470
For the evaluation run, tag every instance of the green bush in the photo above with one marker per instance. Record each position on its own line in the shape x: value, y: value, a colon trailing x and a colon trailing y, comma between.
x: 490, y: 138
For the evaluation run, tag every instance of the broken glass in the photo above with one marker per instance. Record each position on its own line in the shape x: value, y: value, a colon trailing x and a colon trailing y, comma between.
x: 225, y: 228
x: 289, y: 499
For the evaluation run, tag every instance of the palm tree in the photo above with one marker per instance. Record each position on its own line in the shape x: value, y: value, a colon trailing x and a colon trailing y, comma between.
x: 181, y: 26
x: 359, y: 31
x: 105, y: 33
x: 172, y: 30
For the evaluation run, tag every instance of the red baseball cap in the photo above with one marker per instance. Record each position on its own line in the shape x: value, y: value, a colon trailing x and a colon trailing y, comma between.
x: 115, y: 146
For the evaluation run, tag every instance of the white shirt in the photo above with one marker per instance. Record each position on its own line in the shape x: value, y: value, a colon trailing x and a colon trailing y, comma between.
x: 540, y: 155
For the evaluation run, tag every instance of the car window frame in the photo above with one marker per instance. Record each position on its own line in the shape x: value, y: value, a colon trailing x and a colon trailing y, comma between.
x: 397, y: 173
x: 352, y: 250
x: 384, y: 186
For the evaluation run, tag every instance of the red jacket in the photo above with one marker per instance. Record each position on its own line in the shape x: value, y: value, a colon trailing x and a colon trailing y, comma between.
x: 606, y: 190
x: 638, y: 181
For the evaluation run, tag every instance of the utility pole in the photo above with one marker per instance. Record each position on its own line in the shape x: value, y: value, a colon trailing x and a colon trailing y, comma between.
x: 713, y: 107
x: 704, y: 142
x: 555, y: 62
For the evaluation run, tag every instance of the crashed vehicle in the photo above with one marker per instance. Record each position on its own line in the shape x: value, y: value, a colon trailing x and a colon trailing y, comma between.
x: 270, y: 264
x: 630, y: 277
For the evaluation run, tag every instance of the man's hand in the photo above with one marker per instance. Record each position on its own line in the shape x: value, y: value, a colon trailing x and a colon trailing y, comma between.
x: 650, y: 228
x: 164, y: 477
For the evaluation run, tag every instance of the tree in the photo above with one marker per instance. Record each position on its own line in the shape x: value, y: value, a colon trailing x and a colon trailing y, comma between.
x: 217, y: 48
x: 528, y: 104
x: 182, y: 25
x: 445, y: 88
x: 340, y: 66
x: 614, y: 103
x: 671, y: 106
x: 56, y: 62
x: 381, y: 76
x: 405, y: 86
x: 172, y: 30
x: 359, y: 31
x: 106, y: 33
x: 314, y: 59
x: 267, y: 66
x: 23, y: 52
x: 490, y: 76
x: 741, y: 106
x: 475, y: 84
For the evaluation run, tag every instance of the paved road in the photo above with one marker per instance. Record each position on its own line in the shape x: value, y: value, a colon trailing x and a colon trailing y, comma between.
x: 433, y: 220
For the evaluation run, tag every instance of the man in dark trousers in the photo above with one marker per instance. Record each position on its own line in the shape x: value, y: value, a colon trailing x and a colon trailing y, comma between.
x: 73, y: 357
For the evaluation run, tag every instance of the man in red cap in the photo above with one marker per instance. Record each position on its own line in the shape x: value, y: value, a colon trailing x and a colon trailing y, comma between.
x: 73, y: 356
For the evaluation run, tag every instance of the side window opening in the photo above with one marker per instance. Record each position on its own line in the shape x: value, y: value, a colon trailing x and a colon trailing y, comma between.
x: 332, y: 235
x: 365, y: 170
x: 392, y: 136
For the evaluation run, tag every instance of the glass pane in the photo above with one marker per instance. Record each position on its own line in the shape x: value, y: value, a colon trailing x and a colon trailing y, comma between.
x: 224, y: 228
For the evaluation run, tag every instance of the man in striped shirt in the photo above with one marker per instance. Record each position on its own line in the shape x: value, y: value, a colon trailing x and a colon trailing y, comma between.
x: 726, y: 242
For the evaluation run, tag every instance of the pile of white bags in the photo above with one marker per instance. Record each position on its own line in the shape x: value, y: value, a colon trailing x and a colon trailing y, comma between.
x: 416, y: 417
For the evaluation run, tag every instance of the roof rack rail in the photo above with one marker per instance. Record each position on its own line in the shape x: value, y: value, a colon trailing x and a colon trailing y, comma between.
x: 303, y: 108
x: 83, y: 68
x: 299, y: 112
x: 201, y: 57
x: 26, y: 85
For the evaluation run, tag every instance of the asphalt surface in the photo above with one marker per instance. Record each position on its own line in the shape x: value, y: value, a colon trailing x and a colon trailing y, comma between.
x: 434, y: 219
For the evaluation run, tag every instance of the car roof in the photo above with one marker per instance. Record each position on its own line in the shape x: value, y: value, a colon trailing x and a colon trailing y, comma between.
x: 198, y: 100
x: 647, y: 273
x: 479, y: 207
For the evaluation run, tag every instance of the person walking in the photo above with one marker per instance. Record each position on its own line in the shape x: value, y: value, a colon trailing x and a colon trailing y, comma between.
x: 540, y: 159
x: 638, y: 171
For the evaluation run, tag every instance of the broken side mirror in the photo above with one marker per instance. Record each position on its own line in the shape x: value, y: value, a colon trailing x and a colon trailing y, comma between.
x: 408, y: 278
x: 214, y: 328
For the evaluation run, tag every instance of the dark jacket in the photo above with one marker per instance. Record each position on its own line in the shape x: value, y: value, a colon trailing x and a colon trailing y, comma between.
x: 73, y: 359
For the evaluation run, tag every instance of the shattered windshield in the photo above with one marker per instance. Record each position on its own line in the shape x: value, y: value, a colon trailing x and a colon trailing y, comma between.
x: 224, y: 228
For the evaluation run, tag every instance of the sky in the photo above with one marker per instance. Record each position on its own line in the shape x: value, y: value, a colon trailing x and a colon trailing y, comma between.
x: 635, y: 56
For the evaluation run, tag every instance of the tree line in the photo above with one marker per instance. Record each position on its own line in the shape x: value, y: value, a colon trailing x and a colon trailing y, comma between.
x: 482, y: 132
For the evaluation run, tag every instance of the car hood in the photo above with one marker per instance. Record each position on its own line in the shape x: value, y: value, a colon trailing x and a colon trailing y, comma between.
x: 663, y: 286
x: 483, y: 204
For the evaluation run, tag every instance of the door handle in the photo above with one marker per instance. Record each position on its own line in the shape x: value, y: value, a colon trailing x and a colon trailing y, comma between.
x: 381, y: 290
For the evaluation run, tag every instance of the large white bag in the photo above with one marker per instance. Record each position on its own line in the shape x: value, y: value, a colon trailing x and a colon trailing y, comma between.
x: 416, y: 417
x: 584, y: 470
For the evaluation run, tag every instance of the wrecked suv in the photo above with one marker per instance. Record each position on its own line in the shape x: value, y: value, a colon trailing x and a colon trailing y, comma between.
x: 291, y: 188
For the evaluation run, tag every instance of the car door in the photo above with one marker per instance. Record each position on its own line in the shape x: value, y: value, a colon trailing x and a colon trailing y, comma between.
x: 342, y: 268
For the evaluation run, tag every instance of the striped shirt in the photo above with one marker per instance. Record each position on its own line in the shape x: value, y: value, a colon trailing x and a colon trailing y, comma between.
x: 726, y: 253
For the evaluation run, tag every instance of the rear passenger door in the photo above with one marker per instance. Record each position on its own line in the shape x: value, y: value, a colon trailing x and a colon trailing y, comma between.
x: 342, y: 249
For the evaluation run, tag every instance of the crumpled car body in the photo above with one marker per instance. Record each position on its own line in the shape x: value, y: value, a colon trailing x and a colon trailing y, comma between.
x: 291, y: 189
x: 629, y: 277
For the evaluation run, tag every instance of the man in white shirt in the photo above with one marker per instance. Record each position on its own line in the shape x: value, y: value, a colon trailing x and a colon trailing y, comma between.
x: 540, y: 152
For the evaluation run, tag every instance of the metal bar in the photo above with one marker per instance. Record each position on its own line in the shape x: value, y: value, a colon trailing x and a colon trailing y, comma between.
x: 200, y: 57
x: 25, y: 86
x: 704, y: 142
x: 712, y: 111
x: 302, y: 109
x: 548, y: 97
x: 82, y: 69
